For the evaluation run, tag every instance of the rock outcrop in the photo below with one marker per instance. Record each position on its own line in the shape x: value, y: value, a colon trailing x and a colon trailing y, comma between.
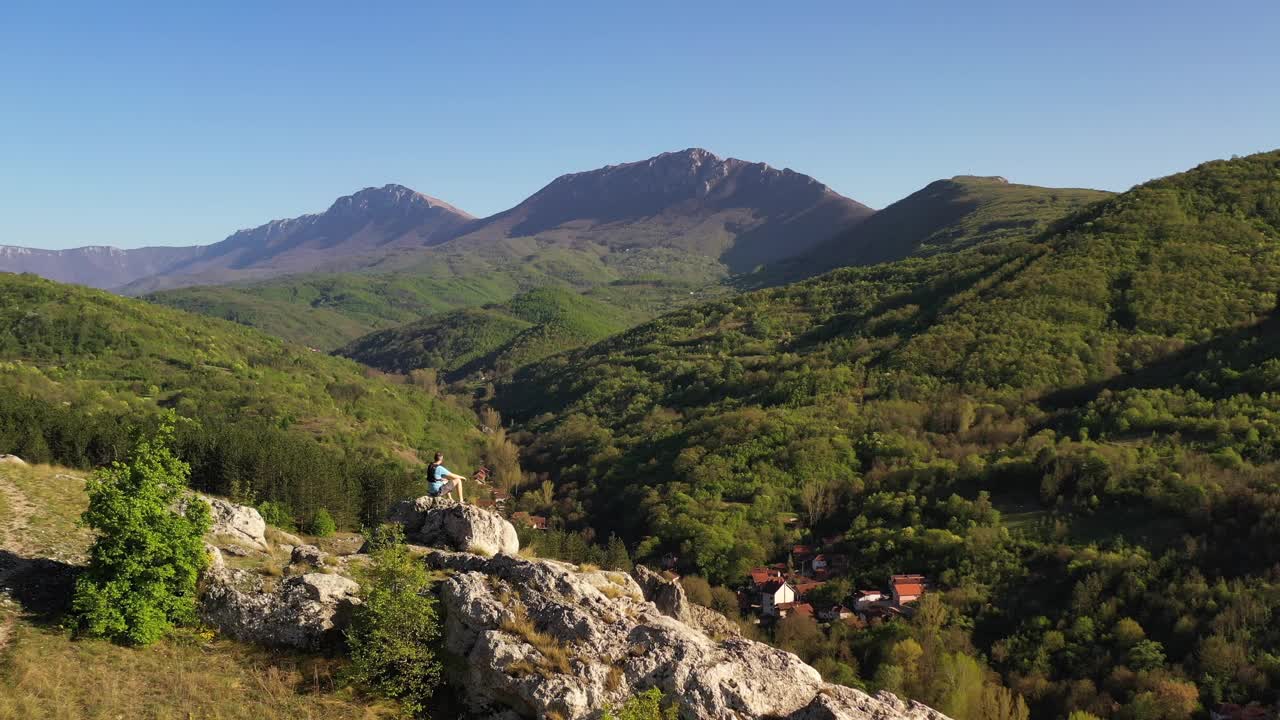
x: 540, y: 638
x: 670, y: 599
x: 305, y: 611
x: 11, y: 460
x: 440, y: 522
x: 236, y: 523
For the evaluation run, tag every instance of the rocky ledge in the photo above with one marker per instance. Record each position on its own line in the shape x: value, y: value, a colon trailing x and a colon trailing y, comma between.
x: 546, y: 639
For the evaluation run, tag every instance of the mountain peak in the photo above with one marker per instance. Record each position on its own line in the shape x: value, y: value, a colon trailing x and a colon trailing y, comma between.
x: 392, y: 195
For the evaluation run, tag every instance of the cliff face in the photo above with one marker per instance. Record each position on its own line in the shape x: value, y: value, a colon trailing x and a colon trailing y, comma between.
x: 545, y: 639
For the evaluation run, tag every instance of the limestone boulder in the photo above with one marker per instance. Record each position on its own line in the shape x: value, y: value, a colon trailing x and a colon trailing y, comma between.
x: 540, y: 638
x: 307, y: 555
x: 445, y: 523
x: 236, y: 523
x: 305, y: 611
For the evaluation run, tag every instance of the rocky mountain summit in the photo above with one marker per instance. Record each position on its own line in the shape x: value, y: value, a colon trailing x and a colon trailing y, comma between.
x: 539, y: 638
x: 738, y: 212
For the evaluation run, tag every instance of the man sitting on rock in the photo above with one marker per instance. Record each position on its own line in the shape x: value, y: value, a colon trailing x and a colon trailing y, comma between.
x: 441, y: 482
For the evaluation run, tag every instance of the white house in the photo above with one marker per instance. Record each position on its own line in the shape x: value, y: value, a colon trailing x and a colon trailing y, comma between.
x: 775, y: 593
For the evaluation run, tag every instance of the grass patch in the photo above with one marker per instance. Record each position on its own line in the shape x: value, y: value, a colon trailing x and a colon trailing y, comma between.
x: 56, y: 498
x: 47, y: 676
x: 555, y: 659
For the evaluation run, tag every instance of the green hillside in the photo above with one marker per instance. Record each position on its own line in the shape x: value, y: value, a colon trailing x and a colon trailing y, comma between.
x: 944, y: 216
x: 269, y: 420
x: 1072, y: 432
x: 327, y: 311
x: 500, y: 337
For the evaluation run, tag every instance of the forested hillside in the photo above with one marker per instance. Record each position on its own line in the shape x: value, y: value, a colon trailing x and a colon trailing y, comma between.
x: 944, y: 216
x: 327, y: 311
x: 499, y: 337
x: 81, y: 369
x: 1074, y: 432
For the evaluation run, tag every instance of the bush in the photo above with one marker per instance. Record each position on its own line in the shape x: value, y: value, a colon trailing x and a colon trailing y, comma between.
x: 322, y: 524
x: 277, y: 515
x: 393, y: 634
x: 645, y: 706
x: 143, y: 567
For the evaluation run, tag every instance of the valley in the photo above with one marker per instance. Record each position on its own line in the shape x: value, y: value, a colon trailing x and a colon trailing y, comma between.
x: 1044, y: 404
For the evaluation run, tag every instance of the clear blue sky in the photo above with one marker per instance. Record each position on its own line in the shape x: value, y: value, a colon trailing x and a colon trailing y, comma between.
x: 177, y: 123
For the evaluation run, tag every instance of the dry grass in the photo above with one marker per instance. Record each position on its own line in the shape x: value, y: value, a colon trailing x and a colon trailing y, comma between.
x: 613, y: 592
x: 57, y: 498
x: 613, y: 680
x: 554, y: 656
x: 47, y: 676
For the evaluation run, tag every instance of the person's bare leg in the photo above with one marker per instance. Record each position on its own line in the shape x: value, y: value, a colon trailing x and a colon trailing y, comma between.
x: 459, y: 484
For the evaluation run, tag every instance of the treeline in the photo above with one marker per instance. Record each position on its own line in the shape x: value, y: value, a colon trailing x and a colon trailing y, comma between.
x: 250, y: 461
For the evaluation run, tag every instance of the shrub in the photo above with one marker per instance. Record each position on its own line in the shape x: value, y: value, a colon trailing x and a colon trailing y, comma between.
x: 394, y: 632
x: 143, y: 567
x: 277, y: 515
x: 645, y: 706
x: 322, y: 524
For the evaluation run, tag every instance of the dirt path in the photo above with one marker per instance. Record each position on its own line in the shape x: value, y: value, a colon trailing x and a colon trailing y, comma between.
x: 13, y: 533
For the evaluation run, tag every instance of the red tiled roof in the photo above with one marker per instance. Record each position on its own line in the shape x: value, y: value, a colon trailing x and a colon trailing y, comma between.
x: 803, y: 609
x: 773, y: 585
x: 801, y: 550
x: 905, y: 589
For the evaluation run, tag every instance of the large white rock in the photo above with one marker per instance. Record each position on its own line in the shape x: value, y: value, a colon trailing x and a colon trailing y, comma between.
x: 236, y: 523
x: 617, y: 644
x: 444, y: 523
x: 305, y: 611
x: 11, y: 460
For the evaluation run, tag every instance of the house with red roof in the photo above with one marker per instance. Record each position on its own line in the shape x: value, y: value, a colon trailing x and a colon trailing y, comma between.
x: 536, y: 522
x: 906, y: 588
x: 775, y: 593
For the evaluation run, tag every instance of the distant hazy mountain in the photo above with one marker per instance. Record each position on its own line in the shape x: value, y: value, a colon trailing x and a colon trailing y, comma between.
x: 740, y: 213
x: 97, y: 265
x: 356, y: 230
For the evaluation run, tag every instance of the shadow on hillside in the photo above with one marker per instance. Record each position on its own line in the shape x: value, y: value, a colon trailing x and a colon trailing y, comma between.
x: 42, y: 587
x: 1206, y: 368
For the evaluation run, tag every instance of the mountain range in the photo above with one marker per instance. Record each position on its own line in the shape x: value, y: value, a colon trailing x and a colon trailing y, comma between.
x: 738, y: 213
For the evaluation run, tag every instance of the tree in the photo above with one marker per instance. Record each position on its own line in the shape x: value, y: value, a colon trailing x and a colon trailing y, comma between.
x: 697, y: 589
x: 143, y: 567
x: 799, y: 634
x: 616, y: 556
x: 724, y: 601
x: 1000, y: 703
x: 818, y: 497
x: 394, y: 632
x: 322, y: 524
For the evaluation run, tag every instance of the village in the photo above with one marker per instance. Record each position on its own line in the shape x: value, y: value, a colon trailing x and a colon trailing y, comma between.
x: 772, y: 592
x: 777, y: 591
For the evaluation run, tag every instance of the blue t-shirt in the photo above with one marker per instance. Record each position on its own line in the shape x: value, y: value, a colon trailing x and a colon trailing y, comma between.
x: 436, y: 482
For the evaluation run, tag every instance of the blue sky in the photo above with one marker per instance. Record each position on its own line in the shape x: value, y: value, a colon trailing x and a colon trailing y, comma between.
x: 134, y: 124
